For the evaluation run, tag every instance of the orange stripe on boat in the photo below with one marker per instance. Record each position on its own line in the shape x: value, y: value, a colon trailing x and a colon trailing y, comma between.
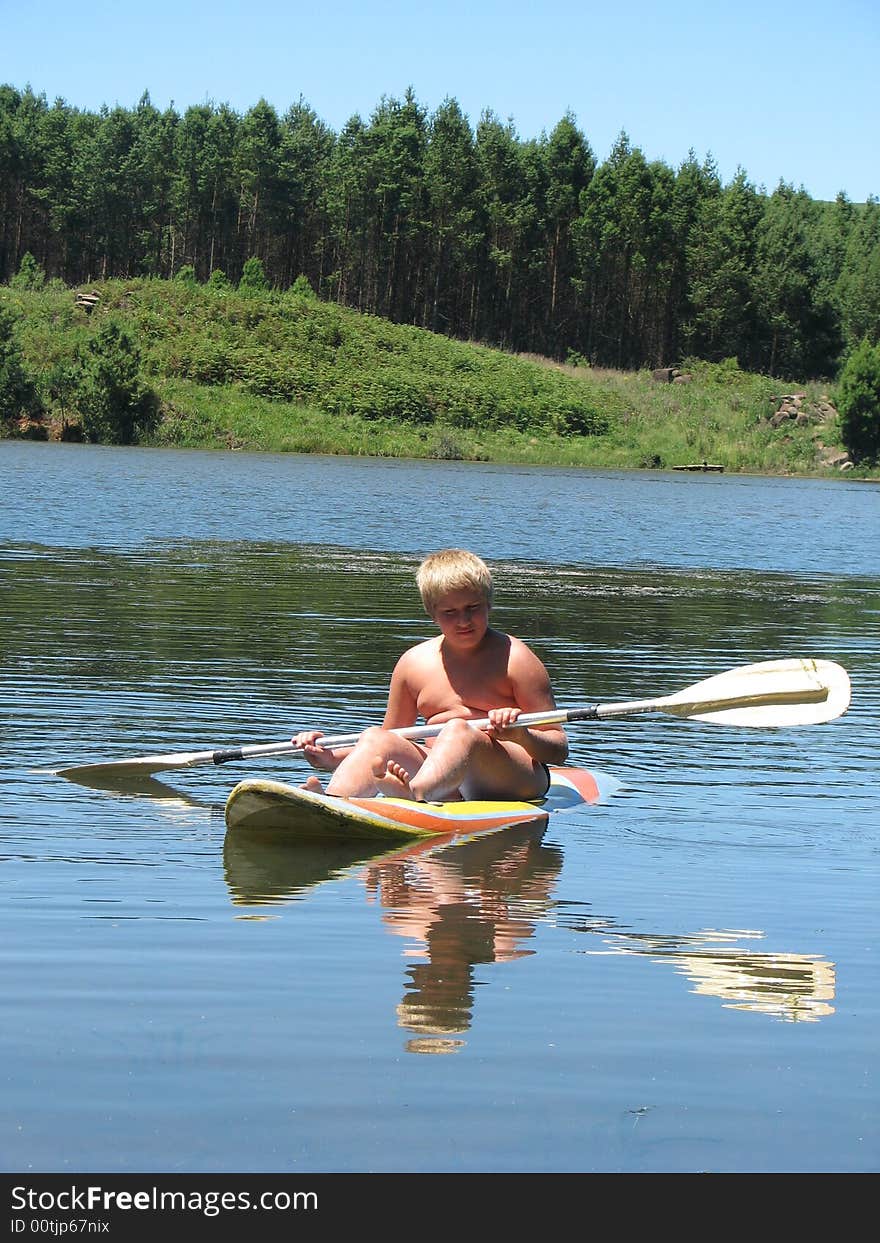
x: 454, y: 817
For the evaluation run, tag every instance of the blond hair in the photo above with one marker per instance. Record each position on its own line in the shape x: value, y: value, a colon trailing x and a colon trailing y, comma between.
x: 452, y: 569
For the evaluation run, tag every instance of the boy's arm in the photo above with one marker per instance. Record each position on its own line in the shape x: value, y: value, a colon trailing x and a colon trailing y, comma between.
x: 402, y: 709
x: 530, y: 682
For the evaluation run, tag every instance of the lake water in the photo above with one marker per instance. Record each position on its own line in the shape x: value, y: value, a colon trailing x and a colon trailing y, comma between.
x: 684, y: 979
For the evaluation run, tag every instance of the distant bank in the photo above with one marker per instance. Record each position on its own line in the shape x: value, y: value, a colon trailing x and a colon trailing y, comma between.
x: 214, y: 367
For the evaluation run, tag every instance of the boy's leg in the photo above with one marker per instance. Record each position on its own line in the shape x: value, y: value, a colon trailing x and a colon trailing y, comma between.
x: 362, y: 772
x: 468, y: 763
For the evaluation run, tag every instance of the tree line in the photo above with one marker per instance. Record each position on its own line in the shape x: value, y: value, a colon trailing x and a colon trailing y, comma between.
x: 531, y: 245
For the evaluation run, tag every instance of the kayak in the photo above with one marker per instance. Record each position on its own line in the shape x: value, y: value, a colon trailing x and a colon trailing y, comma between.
x: 265, y: 804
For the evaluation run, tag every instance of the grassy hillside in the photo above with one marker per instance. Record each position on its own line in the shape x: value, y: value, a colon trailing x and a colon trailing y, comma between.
x: 282, y: 371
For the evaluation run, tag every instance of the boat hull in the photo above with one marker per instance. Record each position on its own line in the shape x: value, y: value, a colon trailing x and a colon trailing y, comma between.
x: 266, y: 804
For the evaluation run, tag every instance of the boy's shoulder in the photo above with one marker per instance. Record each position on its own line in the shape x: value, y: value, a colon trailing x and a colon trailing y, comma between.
x: 428, y: 649
x: 517, y: 646
x: 522, y: 661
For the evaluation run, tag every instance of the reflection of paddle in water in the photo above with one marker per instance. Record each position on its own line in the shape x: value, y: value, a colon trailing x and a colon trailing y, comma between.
x: 791, y: 987
x: 137, y: 785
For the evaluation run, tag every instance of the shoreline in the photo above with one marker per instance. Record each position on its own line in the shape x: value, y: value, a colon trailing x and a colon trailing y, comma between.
x: 544, y: 463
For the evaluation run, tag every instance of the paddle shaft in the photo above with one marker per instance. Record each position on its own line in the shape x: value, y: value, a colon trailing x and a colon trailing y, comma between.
x: 332, y: 742
x: 559, y: 716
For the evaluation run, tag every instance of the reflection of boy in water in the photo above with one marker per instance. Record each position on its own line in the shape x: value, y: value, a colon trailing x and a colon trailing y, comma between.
x: 474, y: 903
x: 468, y: 671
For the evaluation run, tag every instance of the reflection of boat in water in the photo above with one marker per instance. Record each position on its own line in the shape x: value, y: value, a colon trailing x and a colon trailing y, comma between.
x: 792, y: 987
x: 261, y: 869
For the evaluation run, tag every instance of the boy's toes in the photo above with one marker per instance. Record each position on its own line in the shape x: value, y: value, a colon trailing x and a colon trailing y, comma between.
x: 397, y: 775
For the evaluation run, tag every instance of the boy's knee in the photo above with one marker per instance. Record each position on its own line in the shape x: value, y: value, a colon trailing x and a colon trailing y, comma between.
x: 458, y: 728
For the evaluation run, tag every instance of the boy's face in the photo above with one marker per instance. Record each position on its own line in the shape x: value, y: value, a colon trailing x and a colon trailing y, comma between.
x: 463, y: 617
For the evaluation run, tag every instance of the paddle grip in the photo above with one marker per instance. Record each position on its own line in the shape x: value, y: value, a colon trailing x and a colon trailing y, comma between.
x: 583, y: 714
x: 227, y: 755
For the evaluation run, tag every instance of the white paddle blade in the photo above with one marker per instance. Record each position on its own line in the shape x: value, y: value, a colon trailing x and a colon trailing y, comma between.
x: 139, y: 766
x: 775, y: 693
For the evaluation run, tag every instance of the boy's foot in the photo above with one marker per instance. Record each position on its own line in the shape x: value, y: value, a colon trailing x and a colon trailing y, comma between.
x: 392, y: 778
x: 312, y: 784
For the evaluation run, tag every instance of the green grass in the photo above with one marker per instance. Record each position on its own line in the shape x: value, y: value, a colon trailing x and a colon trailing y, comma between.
x: 281, y: 372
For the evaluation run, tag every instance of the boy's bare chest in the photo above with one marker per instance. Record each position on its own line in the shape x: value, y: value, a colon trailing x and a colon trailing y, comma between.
x: 450, y: 687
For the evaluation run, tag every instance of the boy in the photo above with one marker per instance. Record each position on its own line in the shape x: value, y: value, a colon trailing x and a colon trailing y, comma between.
x: 469, y: 670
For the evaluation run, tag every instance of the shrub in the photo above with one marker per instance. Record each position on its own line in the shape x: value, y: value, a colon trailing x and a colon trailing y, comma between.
x: 253, y: 276
x: 115, y: 404
x: 61, y: 381
x: 302, y: 288
x: 858, y: 402
x: 29, y: 275
x: 727, y: 372
x: 17, y: 393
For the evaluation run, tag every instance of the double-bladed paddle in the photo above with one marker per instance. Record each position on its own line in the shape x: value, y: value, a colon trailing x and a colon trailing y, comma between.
x: 773, y: 693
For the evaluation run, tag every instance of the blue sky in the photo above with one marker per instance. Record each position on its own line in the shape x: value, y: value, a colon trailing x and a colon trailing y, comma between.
x: 785, y: 90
